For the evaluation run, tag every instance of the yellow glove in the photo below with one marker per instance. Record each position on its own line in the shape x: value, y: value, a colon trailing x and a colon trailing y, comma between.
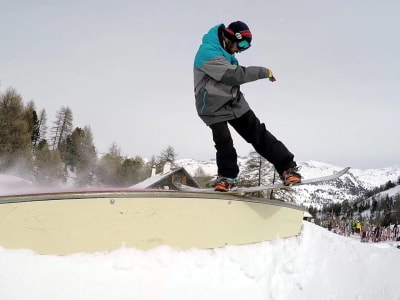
x: 271, y: 76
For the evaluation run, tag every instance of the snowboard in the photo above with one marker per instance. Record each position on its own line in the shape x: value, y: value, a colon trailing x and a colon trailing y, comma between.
x: 248, y: 190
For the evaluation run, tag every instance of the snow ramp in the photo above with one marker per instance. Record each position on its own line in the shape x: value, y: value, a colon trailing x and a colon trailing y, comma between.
x: 96, y: 221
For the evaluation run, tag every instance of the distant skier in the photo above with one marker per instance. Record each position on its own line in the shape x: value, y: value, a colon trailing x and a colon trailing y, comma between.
x: 219, y: 101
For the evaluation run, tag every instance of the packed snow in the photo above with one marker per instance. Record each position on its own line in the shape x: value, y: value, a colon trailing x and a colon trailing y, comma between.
x: 318, y: 264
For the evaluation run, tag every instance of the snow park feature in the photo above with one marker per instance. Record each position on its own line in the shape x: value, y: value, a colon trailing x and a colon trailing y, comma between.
x: 92, y: 221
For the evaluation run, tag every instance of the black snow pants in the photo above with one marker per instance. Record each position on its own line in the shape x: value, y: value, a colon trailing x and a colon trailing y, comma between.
x: 249, y: 127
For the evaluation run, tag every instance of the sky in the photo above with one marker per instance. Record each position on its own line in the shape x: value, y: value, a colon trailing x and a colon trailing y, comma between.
x: 125, y: 68
x: 318, y: 264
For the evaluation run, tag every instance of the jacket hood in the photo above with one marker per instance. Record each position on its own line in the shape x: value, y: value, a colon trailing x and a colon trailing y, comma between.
x: 213, y: 47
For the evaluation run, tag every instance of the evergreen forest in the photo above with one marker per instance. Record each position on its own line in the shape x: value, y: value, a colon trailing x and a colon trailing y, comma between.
x: 59, y: 152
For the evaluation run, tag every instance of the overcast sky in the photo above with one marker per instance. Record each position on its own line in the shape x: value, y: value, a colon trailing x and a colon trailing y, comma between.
x: 125, y: 69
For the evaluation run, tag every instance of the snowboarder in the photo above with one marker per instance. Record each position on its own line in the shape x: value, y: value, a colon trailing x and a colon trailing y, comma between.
x: 219, y: 101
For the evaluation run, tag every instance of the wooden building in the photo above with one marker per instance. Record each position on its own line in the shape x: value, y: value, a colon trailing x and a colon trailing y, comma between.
x: 166, y: 179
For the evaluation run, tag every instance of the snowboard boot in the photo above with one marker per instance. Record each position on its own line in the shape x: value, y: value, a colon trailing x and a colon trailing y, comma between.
x: 224, y: 184
x: 291, y: 176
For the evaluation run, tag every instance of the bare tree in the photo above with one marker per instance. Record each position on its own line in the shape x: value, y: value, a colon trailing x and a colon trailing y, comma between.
x: 167, y: 155
x: 62, y: 127
x: 42, y: 124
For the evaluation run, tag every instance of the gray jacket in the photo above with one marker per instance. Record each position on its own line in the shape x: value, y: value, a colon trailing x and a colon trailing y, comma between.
x: 217, y: 80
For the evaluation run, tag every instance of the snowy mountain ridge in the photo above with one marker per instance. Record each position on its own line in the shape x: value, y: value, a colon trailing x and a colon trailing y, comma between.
x: 349, y: 187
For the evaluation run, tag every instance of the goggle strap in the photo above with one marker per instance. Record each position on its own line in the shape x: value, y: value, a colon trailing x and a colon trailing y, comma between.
x: 244, y: 33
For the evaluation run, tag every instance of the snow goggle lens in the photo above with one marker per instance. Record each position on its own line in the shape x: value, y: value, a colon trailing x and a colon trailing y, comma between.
x: 243, y: 45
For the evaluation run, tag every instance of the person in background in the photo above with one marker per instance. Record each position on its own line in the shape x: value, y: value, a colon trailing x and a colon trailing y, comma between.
x: 395, y: 231
x: 219, y: 102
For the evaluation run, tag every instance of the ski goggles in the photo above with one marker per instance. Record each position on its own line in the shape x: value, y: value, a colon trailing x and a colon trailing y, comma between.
x: 243, y: 45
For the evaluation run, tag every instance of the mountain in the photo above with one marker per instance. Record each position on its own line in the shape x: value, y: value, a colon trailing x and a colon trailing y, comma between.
x: 350, y: 186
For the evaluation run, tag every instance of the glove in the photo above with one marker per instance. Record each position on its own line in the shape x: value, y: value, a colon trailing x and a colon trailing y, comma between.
x: 271, y: 76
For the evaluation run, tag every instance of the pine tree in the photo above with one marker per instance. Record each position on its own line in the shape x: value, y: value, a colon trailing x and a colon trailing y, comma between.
x: 345, y: 207
x: 79, y: 154
x: 131, y: 171
x: 42, y: 125
x: 33, y: 122
x: 15, y: 136
x: 313, y: 211
x: 48, y: 167
x: 396, y: 208
x: 109, y: 166
x: 77, y: 150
